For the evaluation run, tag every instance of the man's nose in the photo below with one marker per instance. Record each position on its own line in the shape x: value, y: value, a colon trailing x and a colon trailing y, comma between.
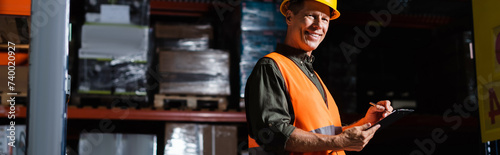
x: 316, y: 23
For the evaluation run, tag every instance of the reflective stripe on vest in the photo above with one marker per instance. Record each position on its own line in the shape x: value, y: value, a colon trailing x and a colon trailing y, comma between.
x: 311, y: 112
x: 328, y: 130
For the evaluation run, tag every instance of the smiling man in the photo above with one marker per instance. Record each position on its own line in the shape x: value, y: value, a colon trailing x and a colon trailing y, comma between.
x: 289, y: 109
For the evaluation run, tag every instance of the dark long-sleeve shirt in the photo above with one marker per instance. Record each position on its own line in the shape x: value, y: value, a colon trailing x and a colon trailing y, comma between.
x: 270, y: 113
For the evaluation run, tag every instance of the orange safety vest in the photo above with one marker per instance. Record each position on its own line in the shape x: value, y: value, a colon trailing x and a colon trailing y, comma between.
x: 311, y: 112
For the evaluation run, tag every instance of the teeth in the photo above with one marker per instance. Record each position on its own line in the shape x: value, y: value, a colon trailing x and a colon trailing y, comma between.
x: 314, y: 35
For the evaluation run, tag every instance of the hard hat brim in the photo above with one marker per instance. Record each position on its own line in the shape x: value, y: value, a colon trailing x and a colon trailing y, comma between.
x: 333, y: 15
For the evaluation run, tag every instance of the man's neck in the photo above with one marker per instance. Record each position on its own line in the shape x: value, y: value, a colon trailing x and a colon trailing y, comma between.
x: 291, y: 43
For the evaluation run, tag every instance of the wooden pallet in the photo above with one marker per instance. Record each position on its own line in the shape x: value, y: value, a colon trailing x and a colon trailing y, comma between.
x: 194, y: 102
x: 109, y: 101
x: 20, y: 98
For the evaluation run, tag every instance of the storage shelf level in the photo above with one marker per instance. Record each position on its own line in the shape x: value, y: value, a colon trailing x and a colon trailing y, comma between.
x: 139, y: 114
x: 174, y: 8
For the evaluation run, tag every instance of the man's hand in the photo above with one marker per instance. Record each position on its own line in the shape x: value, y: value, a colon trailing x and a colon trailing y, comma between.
x: 376, y: 113
x: 356, y: 138
x: 352, y: 139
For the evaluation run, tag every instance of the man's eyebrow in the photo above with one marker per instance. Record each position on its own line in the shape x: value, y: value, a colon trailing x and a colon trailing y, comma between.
x: 316, y: 12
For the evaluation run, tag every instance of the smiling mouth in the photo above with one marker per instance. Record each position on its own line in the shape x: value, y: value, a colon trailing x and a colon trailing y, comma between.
x: 313, y: 35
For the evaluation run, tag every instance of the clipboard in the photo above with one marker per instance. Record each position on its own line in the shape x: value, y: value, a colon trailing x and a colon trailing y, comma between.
x: 392, y: 117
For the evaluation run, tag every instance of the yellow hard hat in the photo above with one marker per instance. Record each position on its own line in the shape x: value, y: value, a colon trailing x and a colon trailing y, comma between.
x: 330, y: 3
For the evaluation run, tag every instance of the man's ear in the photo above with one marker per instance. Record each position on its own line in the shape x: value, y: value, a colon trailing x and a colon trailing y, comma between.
x: 288, y: 17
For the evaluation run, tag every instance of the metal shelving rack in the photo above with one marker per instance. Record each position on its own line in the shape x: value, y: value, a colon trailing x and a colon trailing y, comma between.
x: 141, y: 114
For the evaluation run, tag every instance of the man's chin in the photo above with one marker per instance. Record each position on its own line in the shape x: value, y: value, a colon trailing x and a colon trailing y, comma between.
x: 311, y: 47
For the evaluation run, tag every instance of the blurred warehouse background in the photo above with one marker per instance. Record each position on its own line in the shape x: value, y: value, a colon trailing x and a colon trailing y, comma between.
x: 168, y: 76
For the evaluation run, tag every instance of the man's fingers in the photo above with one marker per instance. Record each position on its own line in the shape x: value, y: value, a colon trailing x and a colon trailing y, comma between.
x: 373, y: 129
x: 389, y: 108
x: 365, y: 126
x: 386, y: 114
x: 359, y: 136
x: 378, y: 108
x: 386, y: 104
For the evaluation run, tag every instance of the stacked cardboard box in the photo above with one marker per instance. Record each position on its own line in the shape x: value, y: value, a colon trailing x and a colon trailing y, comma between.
x: 200, y: 139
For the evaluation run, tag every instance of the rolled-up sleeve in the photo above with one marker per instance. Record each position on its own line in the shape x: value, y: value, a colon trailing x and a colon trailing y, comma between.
x: 269, y: 114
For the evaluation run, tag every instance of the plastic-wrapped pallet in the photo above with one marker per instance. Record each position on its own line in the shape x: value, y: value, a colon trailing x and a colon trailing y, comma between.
x: 200, y: 139
x: 137, y: 11
x: 197, y: 73
x: 115, y: 48
x: 95, y: 76
x: 116, y: 143
x: 13, y: 136
x: 183, y: 36
x: 263, y: 26
x: 130, y: 78
x: 255, y: 45
x: 114, y: 40
x: 191, y: 44
x: 113, y: 58
x: 257, y: 16
x: 176, y: 31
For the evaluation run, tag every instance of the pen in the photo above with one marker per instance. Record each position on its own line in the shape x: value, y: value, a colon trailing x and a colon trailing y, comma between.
x: 373, y: 104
